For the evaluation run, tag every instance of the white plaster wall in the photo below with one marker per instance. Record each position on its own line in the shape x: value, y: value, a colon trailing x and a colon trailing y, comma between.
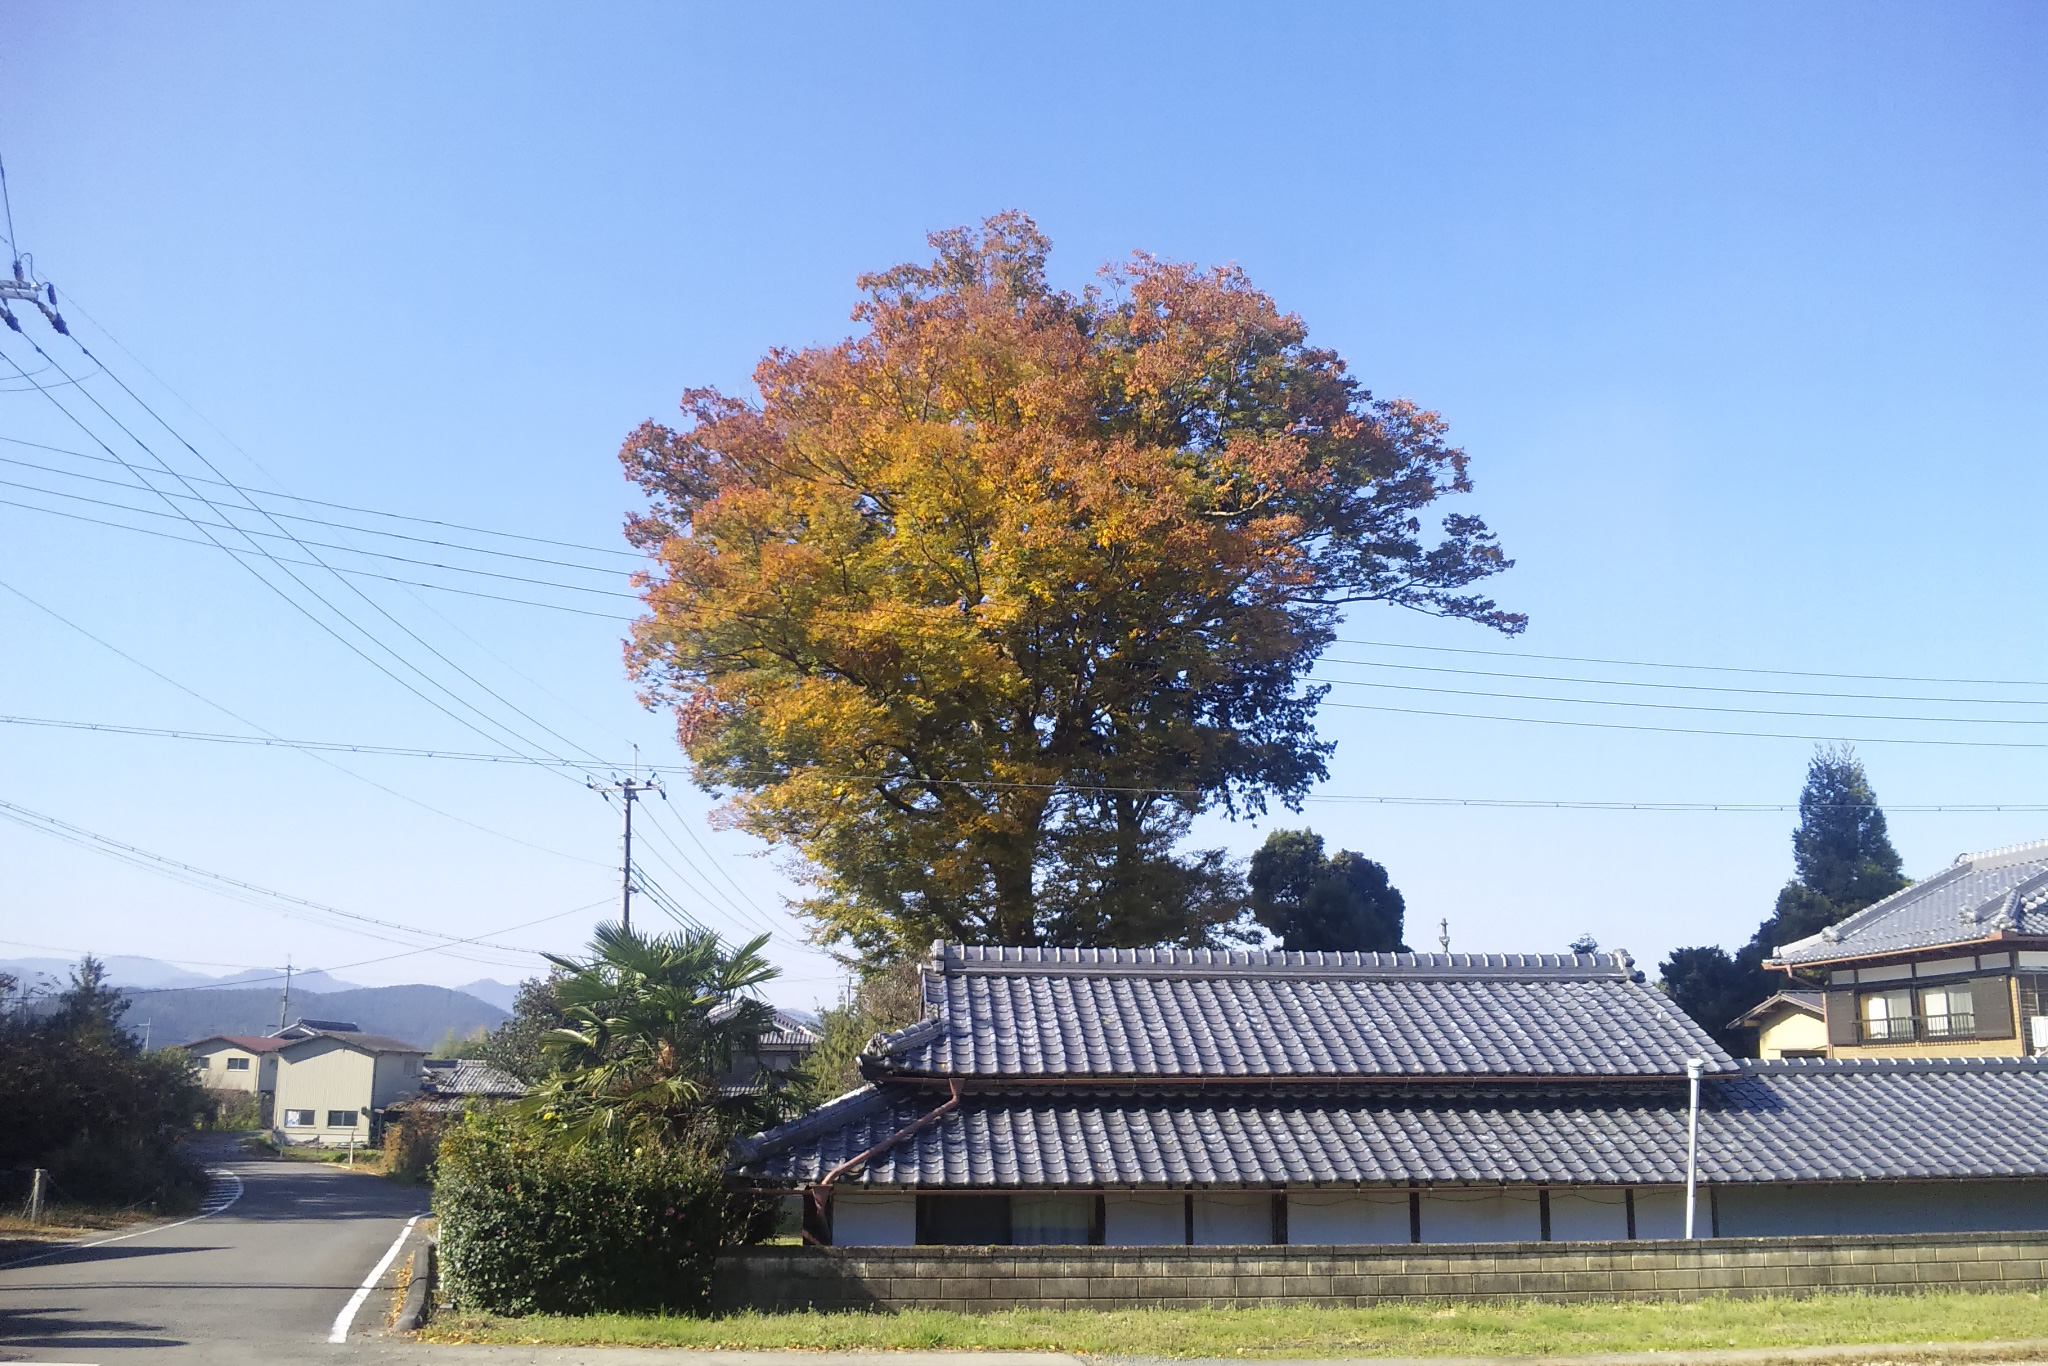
x: 1480, y: 1214
x: 1347, y: 1216
x: 873, y: 1218
x: 1227, y: 1217
x: 1143, y: 1219
x: 1660, y: 1212
x: 1588, y: 1215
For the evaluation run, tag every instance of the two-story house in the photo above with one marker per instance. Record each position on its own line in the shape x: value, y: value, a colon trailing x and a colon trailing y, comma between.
x: 1955, y: 966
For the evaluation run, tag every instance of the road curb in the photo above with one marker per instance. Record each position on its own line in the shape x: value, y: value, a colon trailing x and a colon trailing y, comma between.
x: 419, y: 1294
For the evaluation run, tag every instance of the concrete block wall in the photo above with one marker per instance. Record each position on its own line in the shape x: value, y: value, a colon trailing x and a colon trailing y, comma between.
x: 977, y: 1279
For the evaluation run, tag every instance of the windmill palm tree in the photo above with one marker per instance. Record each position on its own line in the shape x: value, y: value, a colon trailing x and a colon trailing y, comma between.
x: 653, y: 1024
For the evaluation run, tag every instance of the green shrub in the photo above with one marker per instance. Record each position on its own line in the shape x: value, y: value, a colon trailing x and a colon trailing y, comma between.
x: 235, y: 1111
x: 528, y: 1226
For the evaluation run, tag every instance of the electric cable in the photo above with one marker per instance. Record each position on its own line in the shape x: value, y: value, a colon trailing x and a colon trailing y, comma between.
x: 294, y: 602
x: 313, y: 751
x: 1685, y: 687
x: 135, y: 856
x: 325, y: 545
x: 310, y: 564
x: 73, y: 303
x: 367, y: 962
x: 500, y: 698
x: 636, y: 555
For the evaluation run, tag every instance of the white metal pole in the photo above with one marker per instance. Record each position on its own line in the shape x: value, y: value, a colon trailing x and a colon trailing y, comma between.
x: 35, y: 1196
x: 1693, y: 1068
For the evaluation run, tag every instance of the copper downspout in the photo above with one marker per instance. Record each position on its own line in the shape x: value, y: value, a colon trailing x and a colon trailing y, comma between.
x: 817, y: 1196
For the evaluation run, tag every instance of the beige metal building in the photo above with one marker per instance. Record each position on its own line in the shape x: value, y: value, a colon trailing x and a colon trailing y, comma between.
x: 332, y: 1086
x: 236, y: 1062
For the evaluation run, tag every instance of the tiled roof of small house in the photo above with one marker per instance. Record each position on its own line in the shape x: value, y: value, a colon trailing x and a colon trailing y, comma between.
x: 1977, y: 897
x: 1778, y: 1121
x: 1805, y: 1002
x: 248, y: 1043
x: 1158, y: 1014
x: 368, y: 1043
x: 466, y: 1077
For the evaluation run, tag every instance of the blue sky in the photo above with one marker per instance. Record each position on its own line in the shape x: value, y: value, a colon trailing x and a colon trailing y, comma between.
x: 1741, y: 311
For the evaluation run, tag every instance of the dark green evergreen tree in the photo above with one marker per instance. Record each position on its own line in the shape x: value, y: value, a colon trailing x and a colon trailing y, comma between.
x: 515, y: 1045
x: 1842, y: 861
x: 1344, y: 902
x: 90, y: 1007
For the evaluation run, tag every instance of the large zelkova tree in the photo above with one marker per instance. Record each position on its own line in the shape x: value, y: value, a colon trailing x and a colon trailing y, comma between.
x: 1842, y: 861
x: 977, y: 609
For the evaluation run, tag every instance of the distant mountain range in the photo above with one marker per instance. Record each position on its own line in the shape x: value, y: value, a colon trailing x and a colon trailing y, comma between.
x: 173, y: 1005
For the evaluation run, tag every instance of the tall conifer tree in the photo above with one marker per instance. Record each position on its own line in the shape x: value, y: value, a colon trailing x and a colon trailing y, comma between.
x: 1842, y: 861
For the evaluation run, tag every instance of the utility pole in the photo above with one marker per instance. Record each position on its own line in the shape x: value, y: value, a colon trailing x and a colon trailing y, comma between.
x: 24, y: 287
x: 284, y: 1005
x: 629, y: 790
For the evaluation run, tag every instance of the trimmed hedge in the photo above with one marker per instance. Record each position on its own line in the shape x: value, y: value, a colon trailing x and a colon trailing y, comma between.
x: 528, y: 1228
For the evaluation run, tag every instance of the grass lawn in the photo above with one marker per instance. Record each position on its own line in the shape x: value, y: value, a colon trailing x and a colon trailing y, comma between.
x: 1405, y: 1330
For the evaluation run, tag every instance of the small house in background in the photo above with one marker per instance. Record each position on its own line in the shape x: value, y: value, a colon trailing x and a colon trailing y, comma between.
x: 333, y: 1085
x: 303, y: 1028
x: 1792, y: 1024
x: 1955, y: 966
x: 236, y: 1062
x: 449, y: 1084
x: 780, y: 1049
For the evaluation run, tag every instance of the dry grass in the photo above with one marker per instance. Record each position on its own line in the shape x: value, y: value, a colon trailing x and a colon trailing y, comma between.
x: 69, y: 1221
x: 1499, y: 1329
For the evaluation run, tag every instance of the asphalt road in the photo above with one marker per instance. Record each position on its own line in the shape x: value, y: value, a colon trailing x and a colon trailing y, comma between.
x: 260, y: 1281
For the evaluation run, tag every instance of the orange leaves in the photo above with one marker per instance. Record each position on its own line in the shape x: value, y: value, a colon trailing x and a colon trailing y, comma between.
x: 953, y: 581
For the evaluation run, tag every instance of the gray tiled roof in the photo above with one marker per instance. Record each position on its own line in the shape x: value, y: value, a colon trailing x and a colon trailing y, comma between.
x: 1818, y: 1120
x: 458, y: 1077
x: 1164, y: 1013
x: 1975, y: 898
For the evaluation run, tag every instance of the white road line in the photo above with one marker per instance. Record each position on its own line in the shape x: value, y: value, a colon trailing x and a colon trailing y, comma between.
x: 225, y: 1190
x: 339, y: 1333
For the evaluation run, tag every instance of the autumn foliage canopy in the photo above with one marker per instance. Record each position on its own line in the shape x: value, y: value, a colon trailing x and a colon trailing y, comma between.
x: 977, y: 609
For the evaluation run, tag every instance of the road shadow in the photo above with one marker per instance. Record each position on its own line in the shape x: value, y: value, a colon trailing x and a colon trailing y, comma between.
x: 293, y: 1191
x: 50, y: 1328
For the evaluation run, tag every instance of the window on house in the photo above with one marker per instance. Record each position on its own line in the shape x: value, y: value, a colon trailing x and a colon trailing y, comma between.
x: 238, y: 1064
x: 299, y: 1119
x: 200, y: 1062
x: 1887, y: 1016
x: 341, y: 1119
x: 1949, y: 1011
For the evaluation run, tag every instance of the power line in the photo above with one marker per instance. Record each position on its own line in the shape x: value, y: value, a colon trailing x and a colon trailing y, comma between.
x: 329, y: 545
x: 372, y: 602
x: 1685, y: 687
x: 312, y: 751
x: 1689, y: 730
x: 1690, y: 706
x: 1078, y: 788
x: 303, y: 585
x: 312, y: 564
x: 367, y: 962
x: 339, y: 507
x: 1700, y: 668
x: 138, y: 857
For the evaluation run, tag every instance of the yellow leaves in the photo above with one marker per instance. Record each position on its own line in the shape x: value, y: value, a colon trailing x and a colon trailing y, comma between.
x: 1006, y: 544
